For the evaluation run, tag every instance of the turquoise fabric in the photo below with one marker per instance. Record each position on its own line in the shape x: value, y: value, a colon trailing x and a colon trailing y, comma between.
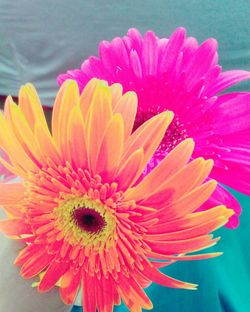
x: 224, y: 282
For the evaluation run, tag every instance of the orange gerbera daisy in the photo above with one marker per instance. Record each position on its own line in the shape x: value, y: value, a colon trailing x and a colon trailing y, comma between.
x: 87, y: 221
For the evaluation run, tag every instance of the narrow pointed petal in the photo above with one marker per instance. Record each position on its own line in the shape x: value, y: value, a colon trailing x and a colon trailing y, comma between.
x: 97, y: 121
x: 182, y: 246
x: 148, y: 136
x: 54, y: 272
x: 88, y: 297
x: 10, y: 194
x: 130, y: 170
x: 30, y: 105
x: 173, y: 162
x: 14, y: 227
x: 226, y: 80
x: 127, y: 107
x: 86, y: 97
x: 36, y: 264
x: 46, y: 142
x: 223, y: 196
x: 177, y: 185
x: 164, y: 280
x: 186, y: 204
x: 76, y: 139
x: 193, y: 219
x: 111, y: 147
x: 66, y: 99
x: 13, y: 148
x: 69, y: 293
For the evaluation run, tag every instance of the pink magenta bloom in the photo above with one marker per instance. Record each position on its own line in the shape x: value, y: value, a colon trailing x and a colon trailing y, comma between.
x: 180, y: 75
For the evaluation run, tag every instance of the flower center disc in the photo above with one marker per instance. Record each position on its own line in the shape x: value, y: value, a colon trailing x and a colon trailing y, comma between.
x: 89, y: 220
x: 85, y: 220
x: 175, y: 133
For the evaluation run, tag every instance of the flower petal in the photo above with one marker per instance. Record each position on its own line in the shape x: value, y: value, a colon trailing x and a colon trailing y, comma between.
x: 157, y: 277
x: 127, y: 107
x: 111, y: 147
x: 226, y: 80
x: 173, y: 162
x: 130, y: 171
x: 54, y: 272
x: 99, y: 116
x: 76, y: 139
x: 148, y: 136
x: 69, y: 293
x: 66, y: 99
x: 14, y: 227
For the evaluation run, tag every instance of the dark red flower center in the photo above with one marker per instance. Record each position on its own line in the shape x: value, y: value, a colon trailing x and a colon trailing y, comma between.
x: 89, y: 220
x: 175, y: 133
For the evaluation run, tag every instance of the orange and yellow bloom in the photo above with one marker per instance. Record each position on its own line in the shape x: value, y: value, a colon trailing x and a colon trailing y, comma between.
x: 87, y: 220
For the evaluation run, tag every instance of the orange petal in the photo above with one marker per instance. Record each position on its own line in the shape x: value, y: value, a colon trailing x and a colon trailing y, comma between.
x: 24, y: 134
x: 14, y: 227
x: 100, y: 113
x: 172, y: 163
x: 127, y: 107
x: 148, y: 136
x: 105, y: 294
x: 30, y: 105
x: 13, y: 148
x: 181, y: 246
x: 77, y: 152
x: 88, y: 297
x: 27, y: 253
x: 157, y: 277
x: 16, y: 170
x: 66, y: 99
x: 199, y: 230
x: 194, y: 219
x: 177, y: 185
x: 184, y: 258
x: 11, y: 194
x: 69, y: 293
x: 185, y: 204
x: 87, y: 95
x: 116, y: 91
x: 36, y: 264
x: 54, y: 272
x: 130, y: 170
x: 111, y: 147
x: 133, y: 297
x: 46, y: 142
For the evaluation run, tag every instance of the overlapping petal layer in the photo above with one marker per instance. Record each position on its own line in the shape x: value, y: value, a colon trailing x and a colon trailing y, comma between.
x: 180, y: 75
x: 87, y: 221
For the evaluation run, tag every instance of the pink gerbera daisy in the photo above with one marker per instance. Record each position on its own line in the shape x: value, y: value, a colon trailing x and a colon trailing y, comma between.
x: 180, y: 75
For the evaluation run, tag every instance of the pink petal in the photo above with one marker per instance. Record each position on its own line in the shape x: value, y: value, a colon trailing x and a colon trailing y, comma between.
x: 226, y: 80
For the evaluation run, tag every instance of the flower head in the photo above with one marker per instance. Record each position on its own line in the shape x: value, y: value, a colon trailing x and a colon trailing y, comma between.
x: 180, y: 75
x: 87, y: 222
